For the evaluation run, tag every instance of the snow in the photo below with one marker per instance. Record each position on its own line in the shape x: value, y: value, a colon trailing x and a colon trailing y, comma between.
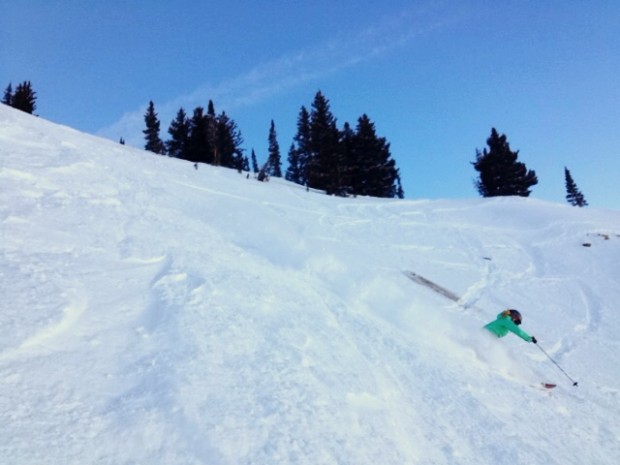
x: 154, y: 313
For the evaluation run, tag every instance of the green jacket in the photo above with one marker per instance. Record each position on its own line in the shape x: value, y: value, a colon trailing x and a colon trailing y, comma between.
x: 503, y: 324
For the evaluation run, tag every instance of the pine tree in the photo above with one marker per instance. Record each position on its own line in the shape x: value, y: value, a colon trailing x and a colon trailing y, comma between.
x: 293, y: 172
x: 151, y: 133
x: 198, y: 147
x: 211, y: 126
x: 348, y: 170
x: 299, y: 153
x: 500, y: 173
x: 177, y: 146
x: 573, y: 195
x: 227, y: 144
x: 325, y: 159
x: 8, y: 95
x: 374, y: 172
x: 274, y: 162
x: 24, y: 98
x: 254, y: 162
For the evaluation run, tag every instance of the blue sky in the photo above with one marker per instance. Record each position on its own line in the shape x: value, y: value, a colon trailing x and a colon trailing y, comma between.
x: 434, y: 76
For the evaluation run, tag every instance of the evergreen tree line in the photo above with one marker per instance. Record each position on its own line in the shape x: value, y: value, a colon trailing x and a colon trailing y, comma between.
x: 500, y: 173
x: 322, y: 156
x: 24, y: 98
x: 203, y: 138
x: 345, y: 161
x: 339, y: 161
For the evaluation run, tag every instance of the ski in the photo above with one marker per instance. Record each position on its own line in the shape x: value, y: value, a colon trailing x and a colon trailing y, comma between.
x: 431, y: 285
x: 548, y: 385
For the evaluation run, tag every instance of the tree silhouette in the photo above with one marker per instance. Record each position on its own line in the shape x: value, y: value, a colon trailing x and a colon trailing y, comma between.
x: 374, y: 171
x: 573, y: 195
x: 254, y: 162
x: 500, y: 172
x: 177, y: 145
x: 227, y: 144
x: 151, y: 133
x: 200, y: 144
x: 299, y: 153
x: 274, y: 163
x: 8, y: 95
x: 24, y: 98
x: 325, y: 157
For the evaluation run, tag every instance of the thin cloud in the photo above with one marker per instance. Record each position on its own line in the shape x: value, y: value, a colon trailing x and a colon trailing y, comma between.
x: 290, y: 71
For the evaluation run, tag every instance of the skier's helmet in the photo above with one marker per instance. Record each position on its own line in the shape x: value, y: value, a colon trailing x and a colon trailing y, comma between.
x: 515, y: 316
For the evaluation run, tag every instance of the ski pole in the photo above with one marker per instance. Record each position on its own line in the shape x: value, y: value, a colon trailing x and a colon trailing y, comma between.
x: 556, y: 364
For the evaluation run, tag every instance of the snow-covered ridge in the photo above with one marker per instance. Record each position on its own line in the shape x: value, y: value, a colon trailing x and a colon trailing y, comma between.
x: 155, y: 313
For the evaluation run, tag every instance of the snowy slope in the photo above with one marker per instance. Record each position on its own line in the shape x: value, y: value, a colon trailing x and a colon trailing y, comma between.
x: 153, y: 313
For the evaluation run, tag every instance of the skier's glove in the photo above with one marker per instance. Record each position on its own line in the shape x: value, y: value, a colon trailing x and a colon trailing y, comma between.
x: 534, y: 340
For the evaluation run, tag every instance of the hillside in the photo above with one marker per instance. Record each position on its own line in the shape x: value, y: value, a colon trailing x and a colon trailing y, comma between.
x: 154, y: 313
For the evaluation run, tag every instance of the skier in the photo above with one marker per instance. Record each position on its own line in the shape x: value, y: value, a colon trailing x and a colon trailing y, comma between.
x: 509, y: 320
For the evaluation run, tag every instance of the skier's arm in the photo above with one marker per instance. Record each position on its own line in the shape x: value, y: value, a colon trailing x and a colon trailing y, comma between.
x: 518, y: 331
